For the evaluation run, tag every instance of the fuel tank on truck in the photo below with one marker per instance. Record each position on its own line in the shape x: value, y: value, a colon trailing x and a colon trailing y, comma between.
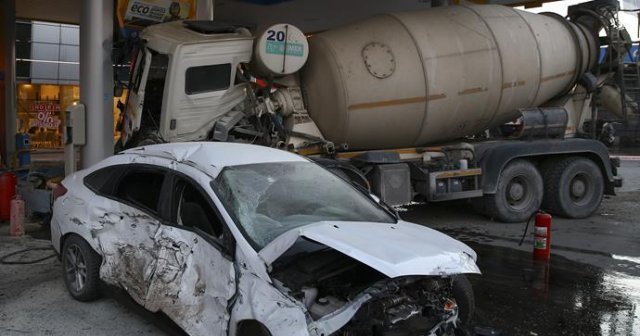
x: 414, y: 78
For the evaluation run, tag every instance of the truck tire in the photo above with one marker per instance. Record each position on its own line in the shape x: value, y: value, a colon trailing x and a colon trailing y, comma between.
x: 573, y: 187
x: 150, y: 138
x: 518, y: 194
x: 118, y: 146
x: 345, y: 171
x: 140, y: 138
x: 81, y: 269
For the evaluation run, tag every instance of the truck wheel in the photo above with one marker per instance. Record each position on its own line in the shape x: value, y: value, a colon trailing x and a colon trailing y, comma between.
x: 118, y: 146
x: 345, y: 171
x: 573, y: 187
x: 518, y: 195
x: 150, y: 138
x: 140, y: 138
x: 81, y: 269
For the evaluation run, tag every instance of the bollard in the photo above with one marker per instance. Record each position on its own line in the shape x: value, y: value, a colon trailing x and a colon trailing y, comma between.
x: 16, y: 226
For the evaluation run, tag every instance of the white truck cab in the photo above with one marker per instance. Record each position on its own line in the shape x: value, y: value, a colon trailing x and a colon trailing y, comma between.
x: 188, y: 69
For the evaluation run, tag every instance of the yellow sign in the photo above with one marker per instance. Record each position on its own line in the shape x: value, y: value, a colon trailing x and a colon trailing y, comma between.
x: 142, y: 13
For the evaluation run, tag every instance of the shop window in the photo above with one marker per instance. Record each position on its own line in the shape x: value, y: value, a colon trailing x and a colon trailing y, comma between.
x: 40, y: 114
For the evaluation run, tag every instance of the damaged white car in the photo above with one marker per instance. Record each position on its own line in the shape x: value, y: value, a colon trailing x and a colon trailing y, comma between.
x: 233, y: 239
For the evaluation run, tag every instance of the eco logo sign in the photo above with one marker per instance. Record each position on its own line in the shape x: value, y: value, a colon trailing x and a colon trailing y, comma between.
x: 277, y: 48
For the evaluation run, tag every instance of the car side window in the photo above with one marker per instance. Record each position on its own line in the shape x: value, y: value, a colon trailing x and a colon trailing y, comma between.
x: 102, y: 181
x: 141, y: 187
x: 191, y: 208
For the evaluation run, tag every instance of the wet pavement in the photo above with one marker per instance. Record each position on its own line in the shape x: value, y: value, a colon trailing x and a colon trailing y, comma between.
x: 519, y: 296
x: 591, y: 285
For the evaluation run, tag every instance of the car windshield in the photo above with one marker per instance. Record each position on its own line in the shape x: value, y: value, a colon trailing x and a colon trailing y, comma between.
x: 268, y: 199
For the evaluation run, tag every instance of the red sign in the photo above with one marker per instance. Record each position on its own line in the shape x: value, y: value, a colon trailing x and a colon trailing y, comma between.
x: 46, y: 116
x: 45, y: 106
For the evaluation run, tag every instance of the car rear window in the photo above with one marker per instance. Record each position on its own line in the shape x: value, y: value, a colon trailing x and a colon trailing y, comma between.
x: 102, y: 181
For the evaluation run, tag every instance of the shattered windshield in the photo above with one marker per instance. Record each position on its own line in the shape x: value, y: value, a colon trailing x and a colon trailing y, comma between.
x: 268, y: 199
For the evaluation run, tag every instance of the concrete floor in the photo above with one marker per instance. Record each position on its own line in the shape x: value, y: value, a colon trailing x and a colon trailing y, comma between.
x: 590, y: 287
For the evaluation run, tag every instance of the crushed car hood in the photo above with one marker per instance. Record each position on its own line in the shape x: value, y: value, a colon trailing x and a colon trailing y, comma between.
x: 393, y: 249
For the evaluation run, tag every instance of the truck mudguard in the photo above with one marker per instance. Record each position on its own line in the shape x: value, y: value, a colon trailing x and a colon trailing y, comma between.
x: 493, y: 156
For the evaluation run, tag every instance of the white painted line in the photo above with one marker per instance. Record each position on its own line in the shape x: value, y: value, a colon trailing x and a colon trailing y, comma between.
x: 627, y: 157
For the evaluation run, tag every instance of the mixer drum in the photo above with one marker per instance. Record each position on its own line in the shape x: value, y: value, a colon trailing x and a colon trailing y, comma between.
x: 414, y: 78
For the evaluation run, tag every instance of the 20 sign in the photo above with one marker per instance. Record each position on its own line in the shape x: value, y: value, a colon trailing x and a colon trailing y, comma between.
x: 273, y: 35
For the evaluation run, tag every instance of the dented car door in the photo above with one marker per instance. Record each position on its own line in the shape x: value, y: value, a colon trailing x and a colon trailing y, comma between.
x: 195, y: 277
x: 126, y: 221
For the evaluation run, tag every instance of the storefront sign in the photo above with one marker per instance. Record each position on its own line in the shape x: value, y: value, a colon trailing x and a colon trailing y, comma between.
x: 45, y: 106
x: 47, y: 115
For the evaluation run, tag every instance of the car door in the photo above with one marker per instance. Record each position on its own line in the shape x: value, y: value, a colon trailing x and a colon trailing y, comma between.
x: 126, y: 222
x: 195, y: 277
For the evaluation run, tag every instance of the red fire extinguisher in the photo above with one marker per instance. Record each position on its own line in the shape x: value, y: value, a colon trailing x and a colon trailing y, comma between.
x: 8, y: 183
x: 542, y: 237
x: 16, y: 225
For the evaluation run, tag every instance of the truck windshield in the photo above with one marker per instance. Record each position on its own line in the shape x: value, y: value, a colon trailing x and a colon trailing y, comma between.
x: 268, y: 199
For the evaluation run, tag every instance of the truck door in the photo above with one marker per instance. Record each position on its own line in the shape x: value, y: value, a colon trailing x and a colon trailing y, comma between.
x: 195, y: 277
x: 135, y: 98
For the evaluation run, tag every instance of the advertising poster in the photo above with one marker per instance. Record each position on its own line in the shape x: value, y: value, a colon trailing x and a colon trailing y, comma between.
x: 133, y: 15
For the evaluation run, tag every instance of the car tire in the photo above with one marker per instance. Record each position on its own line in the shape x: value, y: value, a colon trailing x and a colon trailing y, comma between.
x: 252, y: 328
x: 81, y: 269
x: 573, y: 187
x: 463, y: 294
x: 518, y: 195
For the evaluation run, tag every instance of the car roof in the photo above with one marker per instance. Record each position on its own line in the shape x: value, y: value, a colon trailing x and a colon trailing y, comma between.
x: 211, y: 157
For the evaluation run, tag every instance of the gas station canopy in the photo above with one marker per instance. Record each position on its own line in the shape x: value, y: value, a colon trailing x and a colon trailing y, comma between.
x: 309, y: 14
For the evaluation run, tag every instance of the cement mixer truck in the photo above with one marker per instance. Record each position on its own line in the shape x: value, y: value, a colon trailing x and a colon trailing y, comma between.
x: 480, y: 102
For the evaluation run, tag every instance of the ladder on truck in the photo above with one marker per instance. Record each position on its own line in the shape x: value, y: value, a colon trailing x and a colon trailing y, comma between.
x: 630, y: 87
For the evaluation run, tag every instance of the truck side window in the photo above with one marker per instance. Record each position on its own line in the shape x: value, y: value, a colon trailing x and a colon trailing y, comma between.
x: 207, y: 78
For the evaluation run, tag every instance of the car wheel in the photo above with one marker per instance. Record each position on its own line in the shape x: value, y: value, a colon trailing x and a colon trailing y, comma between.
x: 518, y: 194
x: 81, y: 269
x: 573, y: 187
x: 465, y: 299
x: 252, y: 328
